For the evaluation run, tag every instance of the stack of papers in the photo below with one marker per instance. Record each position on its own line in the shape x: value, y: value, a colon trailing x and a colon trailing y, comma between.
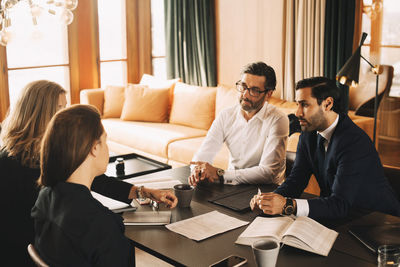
x: 205, y: 225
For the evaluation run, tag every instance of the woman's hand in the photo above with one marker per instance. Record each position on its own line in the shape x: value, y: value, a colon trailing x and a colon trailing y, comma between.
x: 165, y: 196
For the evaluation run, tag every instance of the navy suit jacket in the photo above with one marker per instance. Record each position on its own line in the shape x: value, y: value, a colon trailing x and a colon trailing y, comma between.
x: 353, y: 177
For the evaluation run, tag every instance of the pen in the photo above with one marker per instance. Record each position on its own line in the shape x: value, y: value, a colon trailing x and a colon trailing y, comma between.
x: 154, y: 205
x: 258, y: 191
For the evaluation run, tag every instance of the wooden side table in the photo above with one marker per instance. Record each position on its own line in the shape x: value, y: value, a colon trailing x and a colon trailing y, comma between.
x: 389, y: 130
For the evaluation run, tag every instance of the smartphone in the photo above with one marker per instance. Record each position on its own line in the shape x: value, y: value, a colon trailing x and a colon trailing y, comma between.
x: 230, y: 261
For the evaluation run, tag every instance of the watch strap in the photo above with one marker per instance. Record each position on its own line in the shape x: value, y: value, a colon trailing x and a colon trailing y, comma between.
x: 288, y: 208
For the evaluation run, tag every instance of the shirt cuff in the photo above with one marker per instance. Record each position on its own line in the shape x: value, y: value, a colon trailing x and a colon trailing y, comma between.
x: 302, y: 207
x: 230, y: 177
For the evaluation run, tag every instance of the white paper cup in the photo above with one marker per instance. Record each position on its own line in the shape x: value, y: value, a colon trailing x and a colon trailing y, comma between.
x: 265, y: 252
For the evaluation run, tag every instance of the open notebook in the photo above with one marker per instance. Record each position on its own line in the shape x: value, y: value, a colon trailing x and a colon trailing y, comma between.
x: 114, y: 205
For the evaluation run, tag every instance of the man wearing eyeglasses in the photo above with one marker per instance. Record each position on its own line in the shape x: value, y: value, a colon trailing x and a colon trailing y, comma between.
x: 254, y: 131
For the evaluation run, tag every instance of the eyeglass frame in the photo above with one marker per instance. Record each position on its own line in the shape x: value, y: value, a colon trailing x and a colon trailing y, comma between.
x: 239, y: 83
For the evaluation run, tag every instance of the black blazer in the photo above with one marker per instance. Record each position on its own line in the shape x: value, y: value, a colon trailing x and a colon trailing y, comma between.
x: 74, y: 229
x: 353, y: 178
x: 18, y: 193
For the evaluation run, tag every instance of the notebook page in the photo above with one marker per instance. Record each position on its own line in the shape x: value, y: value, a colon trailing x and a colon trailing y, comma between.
x: 318, y: 237
x: 264, y: 227
x: 110, y: 203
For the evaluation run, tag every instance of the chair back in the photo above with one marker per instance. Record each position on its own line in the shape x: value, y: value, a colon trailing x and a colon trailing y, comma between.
x: 294, y: 124
x: 35, y: 257
x: 362, y: 97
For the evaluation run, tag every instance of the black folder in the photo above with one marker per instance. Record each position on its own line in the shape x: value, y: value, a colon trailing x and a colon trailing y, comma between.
x: 374, y: 236
x: 239, y: 201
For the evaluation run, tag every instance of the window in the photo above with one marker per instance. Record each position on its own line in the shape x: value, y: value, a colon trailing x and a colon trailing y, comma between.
x: 158, y: 39
x: 46, y: 56
x: 389, y: 30
x: 109, y: 42
x: 112, y: 42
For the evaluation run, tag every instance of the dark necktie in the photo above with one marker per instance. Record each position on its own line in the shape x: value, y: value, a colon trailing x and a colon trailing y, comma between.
x: 320, y: 153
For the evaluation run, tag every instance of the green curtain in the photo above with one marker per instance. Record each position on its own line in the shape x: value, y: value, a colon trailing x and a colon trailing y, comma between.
x: 339, y: 31
x: 190, y: 41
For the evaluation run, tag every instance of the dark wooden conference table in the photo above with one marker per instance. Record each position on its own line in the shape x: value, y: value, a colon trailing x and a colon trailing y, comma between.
x: 182, y: 251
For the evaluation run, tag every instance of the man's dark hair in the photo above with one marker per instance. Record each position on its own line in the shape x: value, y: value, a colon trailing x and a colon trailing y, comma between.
x: 262, y: 69
x: 321, y: 89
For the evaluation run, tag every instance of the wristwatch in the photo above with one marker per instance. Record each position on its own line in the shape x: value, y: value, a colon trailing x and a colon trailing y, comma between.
x: 288, y: 209
x: 220, y: 173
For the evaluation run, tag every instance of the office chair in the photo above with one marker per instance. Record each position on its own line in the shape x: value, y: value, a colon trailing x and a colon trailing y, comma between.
x: 35, y: 257
x: 294, y: 127
x: 294, y: 124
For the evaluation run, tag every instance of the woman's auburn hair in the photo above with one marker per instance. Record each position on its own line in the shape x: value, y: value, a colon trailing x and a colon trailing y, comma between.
x: 68, y: 140
x: 26, y: 123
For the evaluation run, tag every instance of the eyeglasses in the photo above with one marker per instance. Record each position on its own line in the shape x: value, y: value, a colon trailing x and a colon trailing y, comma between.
x: 253, y: 91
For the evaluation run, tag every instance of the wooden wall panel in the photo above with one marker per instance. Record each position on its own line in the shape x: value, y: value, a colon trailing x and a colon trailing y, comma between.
x: 138, y: 27
x: 83, y: 44
x: 4, y: 96
x: 144, y: 15
x: 132, y: 45
x: 248, y: 31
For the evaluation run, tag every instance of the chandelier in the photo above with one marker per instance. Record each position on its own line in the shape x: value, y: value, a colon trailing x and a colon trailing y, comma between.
x: 62, y: 8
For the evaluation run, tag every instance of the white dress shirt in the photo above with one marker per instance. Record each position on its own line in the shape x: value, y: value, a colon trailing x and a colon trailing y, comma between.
x: 257, y: 147
x: 303, y: 208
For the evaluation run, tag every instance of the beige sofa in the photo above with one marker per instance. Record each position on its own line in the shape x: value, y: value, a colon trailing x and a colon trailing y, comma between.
x: 168, y: 120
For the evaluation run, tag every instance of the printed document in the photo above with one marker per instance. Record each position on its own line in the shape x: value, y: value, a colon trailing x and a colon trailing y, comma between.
x: 205, y: 225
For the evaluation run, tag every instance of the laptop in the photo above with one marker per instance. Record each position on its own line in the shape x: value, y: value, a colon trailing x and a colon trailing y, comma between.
x: 374, y: 236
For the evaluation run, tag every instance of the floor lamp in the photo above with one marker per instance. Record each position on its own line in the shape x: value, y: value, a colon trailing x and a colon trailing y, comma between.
x: 348, y: 75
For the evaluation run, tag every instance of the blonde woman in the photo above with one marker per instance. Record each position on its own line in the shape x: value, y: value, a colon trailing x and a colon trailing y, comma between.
x: 21, y: 136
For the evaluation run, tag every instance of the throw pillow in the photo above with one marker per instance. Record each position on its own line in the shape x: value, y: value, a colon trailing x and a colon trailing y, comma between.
x: 193, y: 106
x: 226, y: 97
x: 113, y: 101
x: 145, y: 104
x: 154, y: 82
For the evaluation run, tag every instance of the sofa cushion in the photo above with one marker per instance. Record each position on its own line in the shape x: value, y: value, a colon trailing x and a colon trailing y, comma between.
x: 145, y: 104
x: 154, y: 82
x: 193, y: 106
x: 183, y: 151
x: 149, y: 137
x: 113, y: 101
x: 93, y: 97
x: 226, y: 97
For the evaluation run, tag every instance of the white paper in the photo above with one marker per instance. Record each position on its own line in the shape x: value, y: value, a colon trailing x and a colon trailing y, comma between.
x: 110, y: 203
x: 264, y: 227
x: 205, y: 225
x: 155, y: 183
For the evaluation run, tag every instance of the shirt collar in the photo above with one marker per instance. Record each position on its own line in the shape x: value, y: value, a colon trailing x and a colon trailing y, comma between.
x: 327, y: 133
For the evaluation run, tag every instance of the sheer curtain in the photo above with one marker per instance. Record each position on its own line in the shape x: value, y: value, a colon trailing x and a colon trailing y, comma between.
x: 303, y: 41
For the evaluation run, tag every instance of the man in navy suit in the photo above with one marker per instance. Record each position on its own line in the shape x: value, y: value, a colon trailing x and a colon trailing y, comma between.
x: 339, y: 154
